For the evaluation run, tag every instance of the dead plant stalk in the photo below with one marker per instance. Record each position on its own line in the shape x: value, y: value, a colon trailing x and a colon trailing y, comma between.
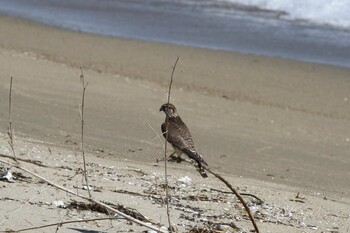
x: 63, y: 223
x: 236, y: 193
x: 82, y: 79
x: 10, y: 129
x: 165, y: 155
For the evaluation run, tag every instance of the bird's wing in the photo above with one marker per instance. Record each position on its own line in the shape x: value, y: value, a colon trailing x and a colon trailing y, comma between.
x: 178, y: 134
x: 195, y: 156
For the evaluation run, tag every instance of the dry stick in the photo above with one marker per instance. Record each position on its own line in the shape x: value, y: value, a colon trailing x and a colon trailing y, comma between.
x: 82, y: 129
x: 160, y: 140
x: 165, y: 154
x: 172, y: 77
x: 15, y: 211
x: 10, y: 130
x: 236, y: 193
x: 62, y: 223
x: 156, y: 228
x: 35, y: 162
x: 242, y: 194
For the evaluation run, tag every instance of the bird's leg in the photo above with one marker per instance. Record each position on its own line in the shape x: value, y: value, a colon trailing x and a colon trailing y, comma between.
x: 172, y: 158
x: 169, y: 157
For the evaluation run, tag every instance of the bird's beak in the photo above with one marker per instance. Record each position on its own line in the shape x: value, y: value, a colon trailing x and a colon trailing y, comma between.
x: 161, y: 109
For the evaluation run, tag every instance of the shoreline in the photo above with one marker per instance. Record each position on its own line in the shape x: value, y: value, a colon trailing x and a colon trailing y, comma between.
x: 283, y: 121
x: 234, y: 32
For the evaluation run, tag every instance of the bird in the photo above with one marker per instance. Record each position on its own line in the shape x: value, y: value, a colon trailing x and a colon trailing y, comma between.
x: 178, y: 135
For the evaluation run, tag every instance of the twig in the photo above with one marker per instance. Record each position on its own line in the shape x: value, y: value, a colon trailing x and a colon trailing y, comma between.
x: 157, y: 135
x: 236, y: 193
x: 63, y: 223
x: 35, y: 162
x: 172, y: 77
x: 242, y: 194
x: 165, y: 154
x: 10, y: 130
x: 15, y: 212
x: 253, y: 196
x: 82, y: 79
x: 147, y: 225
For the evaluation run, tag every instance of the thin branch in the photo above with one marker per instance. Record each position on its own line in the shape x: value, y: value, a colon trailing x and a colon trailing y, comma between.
x: 237, y: 195
x: 160, y: 140
x: 10, y: 129
x: 172, y: 77
x: 82, y: 79
x: 63, y: 223
x: 165, y: 154
x: 147, y: 225
x: 242, y: 194
x: 36, y: 162
x: 15, y: 212
x: 253, y: 196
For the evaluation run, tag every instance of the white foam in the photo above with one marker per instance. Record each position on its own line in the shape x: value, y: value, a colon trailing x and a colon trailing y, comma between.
x: 329, y: 12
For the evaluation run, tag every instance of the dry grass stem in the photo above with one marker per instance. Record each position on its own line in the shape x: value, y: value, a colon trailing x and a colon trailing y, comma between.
x: 237, y: 195
x: 82, y: 79
x: 59, y: 224
x: 36, y: 162
x: 157, y: 135
x: 167, y: 201
x: 172, y: 78
x: 10, y: 129
x: 15, y: 212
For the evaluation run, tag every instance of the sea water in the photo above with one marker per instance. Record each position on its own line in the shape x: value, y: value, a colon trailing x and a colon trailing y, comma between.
x: 307, y: 30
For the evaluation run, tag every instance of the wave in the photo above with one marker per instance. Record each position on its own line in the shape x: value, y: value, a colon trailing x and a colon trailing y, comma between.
x: 335, y: 13
x: 272, y: 28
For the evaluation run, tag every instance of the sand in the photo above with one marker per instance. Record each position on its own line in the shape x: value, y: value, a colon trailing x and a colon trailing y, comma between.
x: 273, y: 127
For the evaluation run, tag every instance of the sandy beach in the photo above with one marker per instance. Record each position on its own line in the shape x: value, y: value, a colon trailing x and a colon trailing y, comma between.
x: 272, y: 127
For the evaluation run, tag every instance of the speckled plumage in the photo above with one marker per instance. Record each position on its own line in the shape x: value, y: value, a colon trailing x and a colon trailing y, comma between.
x: 178, y: 135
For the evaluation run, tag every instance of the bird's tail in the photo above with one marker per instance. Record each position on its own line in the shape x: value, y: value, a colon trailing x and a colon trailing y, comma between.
x: 199, y: 159
x: 202, y: 172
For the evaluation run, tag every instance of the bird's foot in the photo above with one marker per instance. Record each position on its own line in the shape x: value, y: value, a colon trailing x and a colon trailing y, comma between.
x: 172, y: 158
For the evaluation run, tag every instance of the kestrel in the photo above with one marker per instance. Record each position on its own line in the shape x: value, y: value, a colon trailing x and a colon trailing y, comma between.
x: 178, y: 135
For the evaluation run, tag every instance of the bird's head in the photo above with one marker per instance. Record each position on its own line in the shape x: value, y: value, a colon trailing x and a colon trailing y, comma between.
x: 169, y: 110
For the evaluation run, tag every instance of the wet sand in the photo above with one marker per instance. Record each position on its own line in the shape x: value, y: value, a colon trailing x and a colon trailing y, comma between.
x: 273, y: 121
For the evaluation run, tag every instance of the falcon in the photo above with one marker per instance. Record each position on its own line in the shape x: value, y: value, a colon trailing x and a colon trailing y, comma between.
x: 178, y: 135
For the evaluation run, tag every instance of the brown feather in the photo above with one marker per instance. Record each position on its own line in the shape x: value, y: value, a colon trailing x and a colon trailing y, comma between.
x: 178, y: 135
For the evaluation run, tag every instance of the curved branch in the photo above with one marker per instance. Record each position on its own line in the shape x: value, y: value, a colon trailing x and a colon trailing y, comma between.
x: 236, y: 193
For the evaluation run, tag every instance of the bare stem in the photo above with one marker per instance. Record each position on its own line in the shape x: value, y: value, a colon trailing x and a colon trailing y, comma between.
x: 167, y: 196
x: 82, y: 79
x: 63, y: 223
x: 237, y: 195
x: 10, y: 129
x: 172, y: 77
